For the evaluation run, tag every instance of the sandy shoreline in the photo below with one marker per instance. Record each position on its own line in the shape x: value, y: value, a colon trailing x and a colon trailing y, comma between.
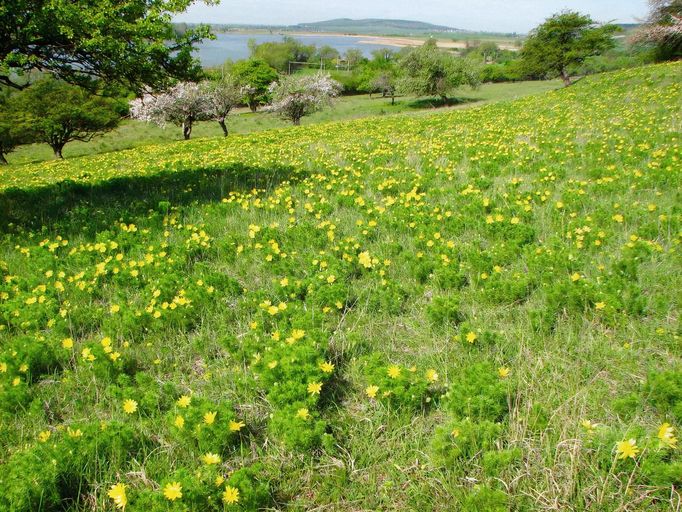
x: 398, y: 42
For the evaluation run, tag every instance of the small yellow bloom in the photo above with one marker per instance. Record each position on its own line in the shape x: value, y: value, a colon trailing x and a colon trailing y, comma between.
x: 394, y: 371
x: 365, y: 259
x: 209, y: 417
x: 179, y: 422
x: 210, y: 459
x: 67, y: 343
x: 129, y: 406
x: 314, y: 388
x: 431, y: 375
x: 327, y: 367
x: 588, y: 426
x: 303, y: 413
x: 173, y: 491
x: 471, y: 336
x: 666, y: 434
x: 231, y: 495
x: 118, y: 494
x: 600, y: 305
x: 627, y: 449
x: 184, y: 401
x: 575, y: 277
x: 372, y: 391
x: 503, y: 372
x: 236, y: 426
x: 44, y: 436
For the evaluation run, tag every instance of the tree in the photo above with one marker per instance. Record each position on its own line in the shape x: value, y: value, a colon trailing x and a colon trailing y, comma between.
x: 353, y: 57
x: 663, y: 28
x: 12, y: 132
x: 279, y: 54
x: 254, y: 76
x: 182, y: 105
x: 132, y: 42
x: 294, y: 97
x: 327, y: 54
x: 428, y: 71
x: 56, y: 113
x: 563, y: 41
x: 223, y: 95
x: 385, y: 82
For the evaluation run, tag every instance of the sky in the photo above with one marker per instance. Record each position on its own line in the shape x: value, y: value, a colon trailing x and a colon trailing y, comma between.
x: 484, y: 15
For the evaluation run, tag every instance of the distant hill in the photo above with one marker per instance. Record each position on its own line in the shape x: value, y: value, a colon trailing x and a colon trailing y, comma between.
x: 374, y: 26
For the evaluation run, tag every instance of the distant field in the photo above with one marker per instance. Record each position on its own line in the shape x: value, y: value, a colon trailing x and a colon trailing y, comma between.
x: 133, y: 133
x: 472, y: 310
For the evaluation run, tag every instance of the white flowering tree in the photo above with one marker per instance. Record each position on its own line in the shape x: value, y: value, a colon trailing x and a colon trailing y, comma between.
x: 182, y: 105
x: 663, y: 28
x: 294, y: 97
x: 222, y: 96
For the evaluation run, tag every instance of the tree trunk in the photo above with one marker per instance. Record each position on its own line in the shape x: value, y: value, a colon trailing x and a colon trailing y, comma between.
x: 444, y: 99
x: 297, y: 121
x: 187, y: 129
x: 3, y: 160
x: 253, y: 106
x: 223, y: 125
x: 58, y: 151
x: 393, y: 99
x: 566, y: 78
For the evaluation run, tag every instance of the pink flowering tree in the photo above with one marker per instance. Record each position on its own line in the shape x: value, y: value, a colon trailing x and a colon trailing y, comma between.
x: 294, y: 97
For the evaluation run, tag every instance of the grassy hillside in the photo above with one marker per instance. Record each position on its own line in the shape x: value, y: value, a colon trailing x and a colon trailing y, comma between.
x: 473, y: 310
x: 132, y: 134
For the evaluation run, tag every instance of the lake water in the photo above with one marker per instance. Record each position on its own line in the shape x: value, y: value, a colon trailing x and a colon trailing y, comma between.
x: 235, y: 46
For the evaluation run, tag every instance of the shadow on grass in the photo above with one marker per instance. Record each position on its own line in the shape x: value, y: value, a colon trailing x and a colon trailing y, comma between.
x: 71, y: 205
x: 425, y: 103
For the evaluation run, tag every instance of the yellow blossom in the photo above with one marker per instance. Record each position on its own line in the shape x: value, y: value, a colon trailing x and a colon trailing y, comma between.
x: 394, y: 371
x: 209, y: 418
x: 327, y: 367
x: 666, y: 434
x: 314, y: 388
x: 173, y: 491
x: 431, y: 375
x: 365, y: 259
x: 210, y: 459
x: 231, y: 495
x: 184, y: 401
x: 236, y: 426
x: 179, y: 422
x: 129, y: 406
x: 118, y: 494
x: 627, y: 448
x: 372, y: 391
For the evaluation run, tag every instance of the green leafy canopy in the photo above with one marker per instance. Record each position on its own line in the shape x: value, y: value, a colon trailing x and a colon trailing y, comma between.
x: 131, y: 42
x: 564, y: 40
